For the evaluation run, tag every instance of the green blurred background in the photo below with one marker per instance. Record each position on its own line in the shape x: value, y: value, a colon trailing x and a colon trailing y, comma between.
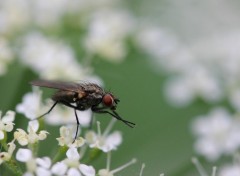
x: 162, y: 138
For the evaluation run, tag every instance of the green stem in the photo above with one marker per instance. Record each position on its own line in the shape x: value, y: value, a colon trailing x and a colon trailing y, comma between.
x: 12, y: 165
x: 92, y: 155
x: 41, y: 123
x: 34, y: 148
x: 61, y: 152
x: 3, y: 142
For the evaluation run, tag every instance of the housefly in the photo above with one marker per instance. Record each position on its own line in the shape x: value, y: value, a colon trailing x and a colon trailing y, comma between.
x: 82, y: 96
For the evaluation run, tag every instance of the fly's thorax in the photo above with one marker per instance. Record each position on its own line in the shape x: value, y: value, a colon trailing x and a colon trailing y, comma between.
x: 93, y: 88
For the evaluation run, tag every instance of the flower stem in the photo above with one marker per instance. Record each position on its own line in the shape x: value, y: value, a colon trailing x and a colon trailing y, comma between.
x: 108, y: 160
x: 124, y: 166
x: 199, y: 167
x: 142, y: 168
x: 92, y: 155
x: 3, y: 142
x: 12, y: 165
x: 61, y: 152
x: 34, y: 148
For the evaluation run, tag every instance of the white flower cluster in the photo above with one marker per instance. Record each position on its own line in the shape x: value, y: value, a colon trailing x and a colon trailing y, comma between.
x: 31, y: 137
x: 207, y: 68
x: 74, y: 149
x: 217, y: 134
x: 49, y: 58
x: 43, y: 166
x: 6, y: 156
x: 6, y: 123
x: 225, y: 170
x: 107, y: 33
x: 71, y: 165
x: 107, y: 25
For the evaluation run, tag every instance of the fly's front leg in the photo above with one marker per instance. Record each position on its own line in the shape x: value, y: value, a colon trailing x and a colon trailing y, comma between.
x: 47, y: 111
x: 114, y: 114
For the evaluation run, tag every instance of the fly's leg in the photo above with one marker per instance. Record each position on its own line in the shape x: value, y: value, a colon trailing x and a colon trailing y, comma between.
x: 77, y: 125
x: 113, y: 114
x: 91, y: 123
x: 75, y: 112
x: 131, y: 124
x: 47, y: 111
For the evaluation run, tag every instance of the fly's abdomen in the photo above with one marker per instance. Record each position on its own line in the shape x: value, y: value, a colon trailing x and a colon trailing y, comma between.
x: 67, y: 96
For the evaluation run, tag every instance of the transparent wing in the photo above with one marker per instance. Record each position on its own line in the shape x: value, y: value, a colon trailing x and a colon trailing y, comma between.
x: 61, y: 85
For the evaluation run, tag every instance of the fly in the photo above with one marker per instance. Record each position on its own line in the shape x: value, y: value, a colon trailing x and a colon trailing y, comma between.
x: 82, y: 96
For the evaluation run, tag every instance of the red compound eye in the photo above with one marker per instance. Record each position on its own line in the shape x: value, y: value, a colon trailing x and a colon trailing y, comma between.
x: 108, y: 100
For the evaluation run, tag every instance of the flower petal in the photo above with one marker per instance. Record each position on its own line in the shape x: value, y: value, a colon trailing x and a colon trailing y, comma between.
x: 59, y: 168
x: 87, y: 170
x: 9, y: 127
x: 33, y: 125
x: 1, y: 134
x: 73, y: 172
x: 23, y: 155
x: 73, y: 154
x: 42, y: 135
x: 44, y: 162
x: 9, y: 117
x: 42, y: 171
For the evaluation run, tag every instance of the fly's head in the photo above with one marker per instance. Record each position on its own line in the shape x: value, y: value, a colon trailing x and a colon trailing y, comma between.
x: 110, y: 101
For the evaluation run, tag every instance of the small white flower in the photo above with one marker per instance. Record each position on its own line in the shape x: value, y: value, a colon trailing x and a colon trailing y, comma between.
x: 31, y: 105
x: 67, y: 135
x: 31, y: 137
x: 21, y: 137
x: 105, y: 142
x: 6, y: 156
x: 39, y: 166
x: 217, y: 134
x: 71, y: 165
x: 6, y: 123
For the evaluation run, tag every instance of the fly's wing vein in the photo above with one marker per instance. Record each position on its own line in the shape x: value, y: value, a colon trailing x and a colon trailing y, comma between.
x: 68, y: 86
